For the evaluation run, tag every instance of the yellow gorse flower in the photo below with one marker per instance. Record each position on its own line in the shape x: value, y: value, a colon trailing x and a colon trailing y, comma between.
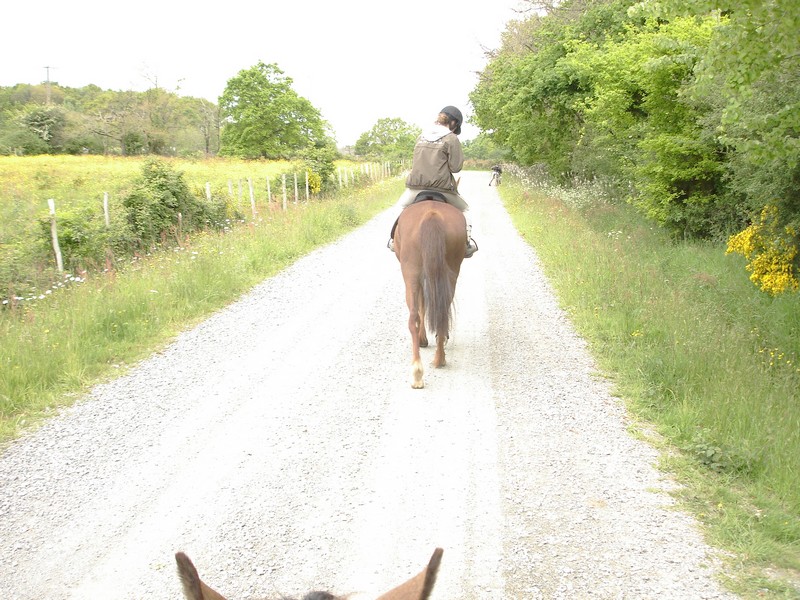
x: 770, y: 253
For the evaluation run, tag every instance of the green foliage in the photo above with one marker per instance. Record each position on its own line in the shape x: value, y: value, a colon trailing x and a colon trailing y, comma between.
x: 529, y: 94
x: 319, y: 161
x: 693, y: 105
x: 722, y: 458
x: 82, y: 237
x: 263, y: 117
x: 35, y: 120
x: 646, y: 122
x: 483, y: 148
x: 161, y: 202
x: 389, y: 139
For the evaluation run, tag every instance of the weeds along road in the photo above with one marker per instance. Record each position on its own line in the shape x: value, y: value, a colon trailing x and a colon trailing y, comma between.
x: 280, y: 445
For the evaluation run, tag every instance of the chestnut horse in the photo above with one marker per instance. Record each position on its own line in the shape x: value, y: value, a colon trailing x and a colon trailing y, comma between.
x: 429, y: 241
x: 418, y: 587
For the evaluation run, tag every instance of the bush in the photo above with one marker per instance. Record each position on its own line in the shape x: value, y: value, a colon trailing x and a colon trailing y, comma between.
x: 82, y: 238
x: 160, y: 203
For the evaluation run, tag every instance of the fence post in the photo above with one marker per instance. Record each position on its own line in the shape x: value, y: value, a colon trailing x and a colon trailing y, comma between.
x: 295, y: 188
x: 105, y: 210
x: 54, y: 234
x: 283, y: 186
x: 252, y: 197
x: 208, y: 191
x: 269, y: 193
x: 306, y: 185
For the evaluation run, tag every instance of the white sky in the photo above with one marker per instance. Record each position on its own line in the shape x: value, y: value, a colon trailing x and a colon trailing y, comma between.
x: 357, y: 61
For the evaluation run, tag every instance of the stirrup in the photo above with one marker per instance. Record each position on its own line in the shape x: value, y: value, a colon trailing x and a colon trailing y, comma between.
x: 390, y: 244
x: 472, y: 248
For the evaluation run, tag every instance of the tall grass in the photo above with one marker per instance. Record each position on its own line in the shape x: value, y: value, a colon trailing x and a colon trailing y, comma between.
x: 696, y: 350
x: 53, y: 349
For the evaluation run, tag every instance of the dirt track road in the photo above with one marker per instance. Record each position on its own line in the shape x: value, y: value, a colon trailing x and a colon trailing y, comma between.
x: 281, y: 446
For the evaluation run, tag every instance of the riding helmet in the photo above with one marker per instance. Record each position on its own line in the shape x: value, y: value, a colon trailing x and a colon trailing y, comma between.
x: 454, y: 113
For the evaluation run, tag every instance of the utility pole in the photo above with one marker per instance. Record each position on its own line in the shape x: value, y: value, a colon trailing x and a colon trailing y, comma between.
x: 47, y: 87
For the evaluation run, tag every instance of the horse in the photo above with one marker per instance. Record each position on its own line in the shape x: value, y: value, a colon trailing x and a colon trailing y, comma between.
x: 418, y: 587
x: 429, y: 241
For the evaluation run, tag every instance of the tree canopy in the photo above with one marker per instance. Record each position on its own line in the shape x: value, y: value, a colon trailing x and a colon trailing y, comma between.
x: 51, y: 119
x: 389, y: 139
x: 692, y: 106
x: 263, y: 117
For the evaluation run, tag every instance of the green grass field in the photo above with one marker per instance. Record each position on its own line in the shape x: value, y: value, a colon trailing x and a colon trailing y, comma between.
x: 80, y: 184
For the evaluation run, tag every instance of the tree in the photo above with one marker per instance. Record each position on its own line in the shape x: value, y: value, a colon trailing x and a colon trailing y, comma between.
x: 751, y: 76
x: 389, y: 139
x: 263, y: 117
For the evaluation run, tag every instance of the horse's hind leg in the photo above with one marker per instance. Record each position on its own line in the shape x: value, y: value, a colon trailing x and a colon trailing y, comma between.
x: 415, y: 325
x: 416, y: 362
x: 438, y: 358
x: 423, y: 333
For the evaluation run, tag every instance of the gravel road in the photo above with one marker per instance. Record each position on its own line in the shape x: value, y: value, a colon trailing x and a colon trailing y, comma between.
x: 280, y: 445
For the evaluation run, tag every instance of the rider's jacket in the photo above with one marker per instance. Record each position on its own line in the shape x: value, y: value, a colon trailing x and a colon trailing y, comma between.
x: 437, y: 155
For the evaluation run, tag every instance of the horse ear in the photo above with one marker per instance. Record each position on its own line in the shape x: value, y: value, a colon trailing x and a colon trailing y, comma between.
x: 193, y: 587
x: 420, y: 586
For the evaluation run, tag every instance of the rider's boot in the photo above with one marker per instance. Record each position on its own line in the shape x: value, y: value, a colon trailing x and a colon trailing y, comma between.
x: 472, y: 247
x: 390, y: 244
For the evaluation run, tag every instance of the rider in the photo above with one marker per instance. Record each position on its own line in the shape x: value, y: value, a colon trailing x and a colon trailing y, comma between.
x: 497, y: 170
x: 437, y: 155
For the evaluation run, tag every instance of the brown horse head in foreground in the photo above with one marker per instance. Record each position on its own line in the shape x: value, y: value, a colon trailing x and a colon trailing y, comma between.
x: 418, y: 587
x: 429, y: 242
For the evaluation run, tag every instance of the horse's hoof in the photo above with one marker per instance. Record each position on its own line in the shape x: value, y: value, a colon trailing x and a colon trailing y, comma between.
x: 423, y: 343
x: 418, y: 385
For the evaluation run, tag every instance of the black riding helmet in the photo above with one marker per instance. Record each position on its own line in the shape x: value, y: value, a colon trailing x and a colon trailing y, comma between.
x: 454, y: 113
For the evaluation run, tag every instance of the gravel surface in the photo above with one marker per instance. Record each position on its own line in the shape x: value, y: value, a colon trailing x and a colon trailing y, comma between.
x: 280, y: 445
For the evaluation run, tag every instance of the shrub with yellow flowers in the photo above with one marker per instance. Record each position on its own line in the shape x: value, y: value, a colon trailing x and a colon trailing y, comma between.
x: 770, y: 248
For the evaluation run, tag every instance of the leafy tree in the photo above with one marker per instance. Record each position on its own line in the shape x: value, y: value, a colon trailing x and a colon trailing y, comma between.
x: 389, y: 139
x: 646, y: 128
x: 528, y: 95
x: 263, y: 117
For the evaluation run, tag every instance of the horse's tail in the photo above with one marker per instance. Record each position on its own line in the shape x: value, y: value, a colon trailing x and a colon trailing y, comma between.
x: 436, y: 282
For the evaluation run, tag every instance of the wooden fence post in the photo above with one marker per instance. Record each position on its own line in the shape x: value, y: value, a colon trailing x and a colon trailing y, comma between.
x: 54, y: 234
x: 283, y: 186
x: 295, y: 188
x: 269, y: 193
x: 208, y: 191
x: 105, y: 210
x: 306, y: 185
x: 252, y: 197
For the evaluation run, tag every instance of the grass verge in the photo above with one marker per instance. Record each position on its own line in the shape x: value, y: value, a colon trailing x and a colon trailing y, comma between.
x: 55, y: 349
x: 697, y: 352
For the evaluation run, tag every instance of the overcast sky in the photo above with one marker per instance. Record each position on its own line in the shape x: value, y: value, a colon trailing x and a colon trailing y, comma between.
x: 357, y: 61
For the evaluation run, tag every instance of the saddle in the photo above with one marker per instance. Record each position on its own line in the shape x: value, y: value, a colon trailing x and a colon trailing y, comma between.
x: 429, y: 195
x: 422, y: 196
